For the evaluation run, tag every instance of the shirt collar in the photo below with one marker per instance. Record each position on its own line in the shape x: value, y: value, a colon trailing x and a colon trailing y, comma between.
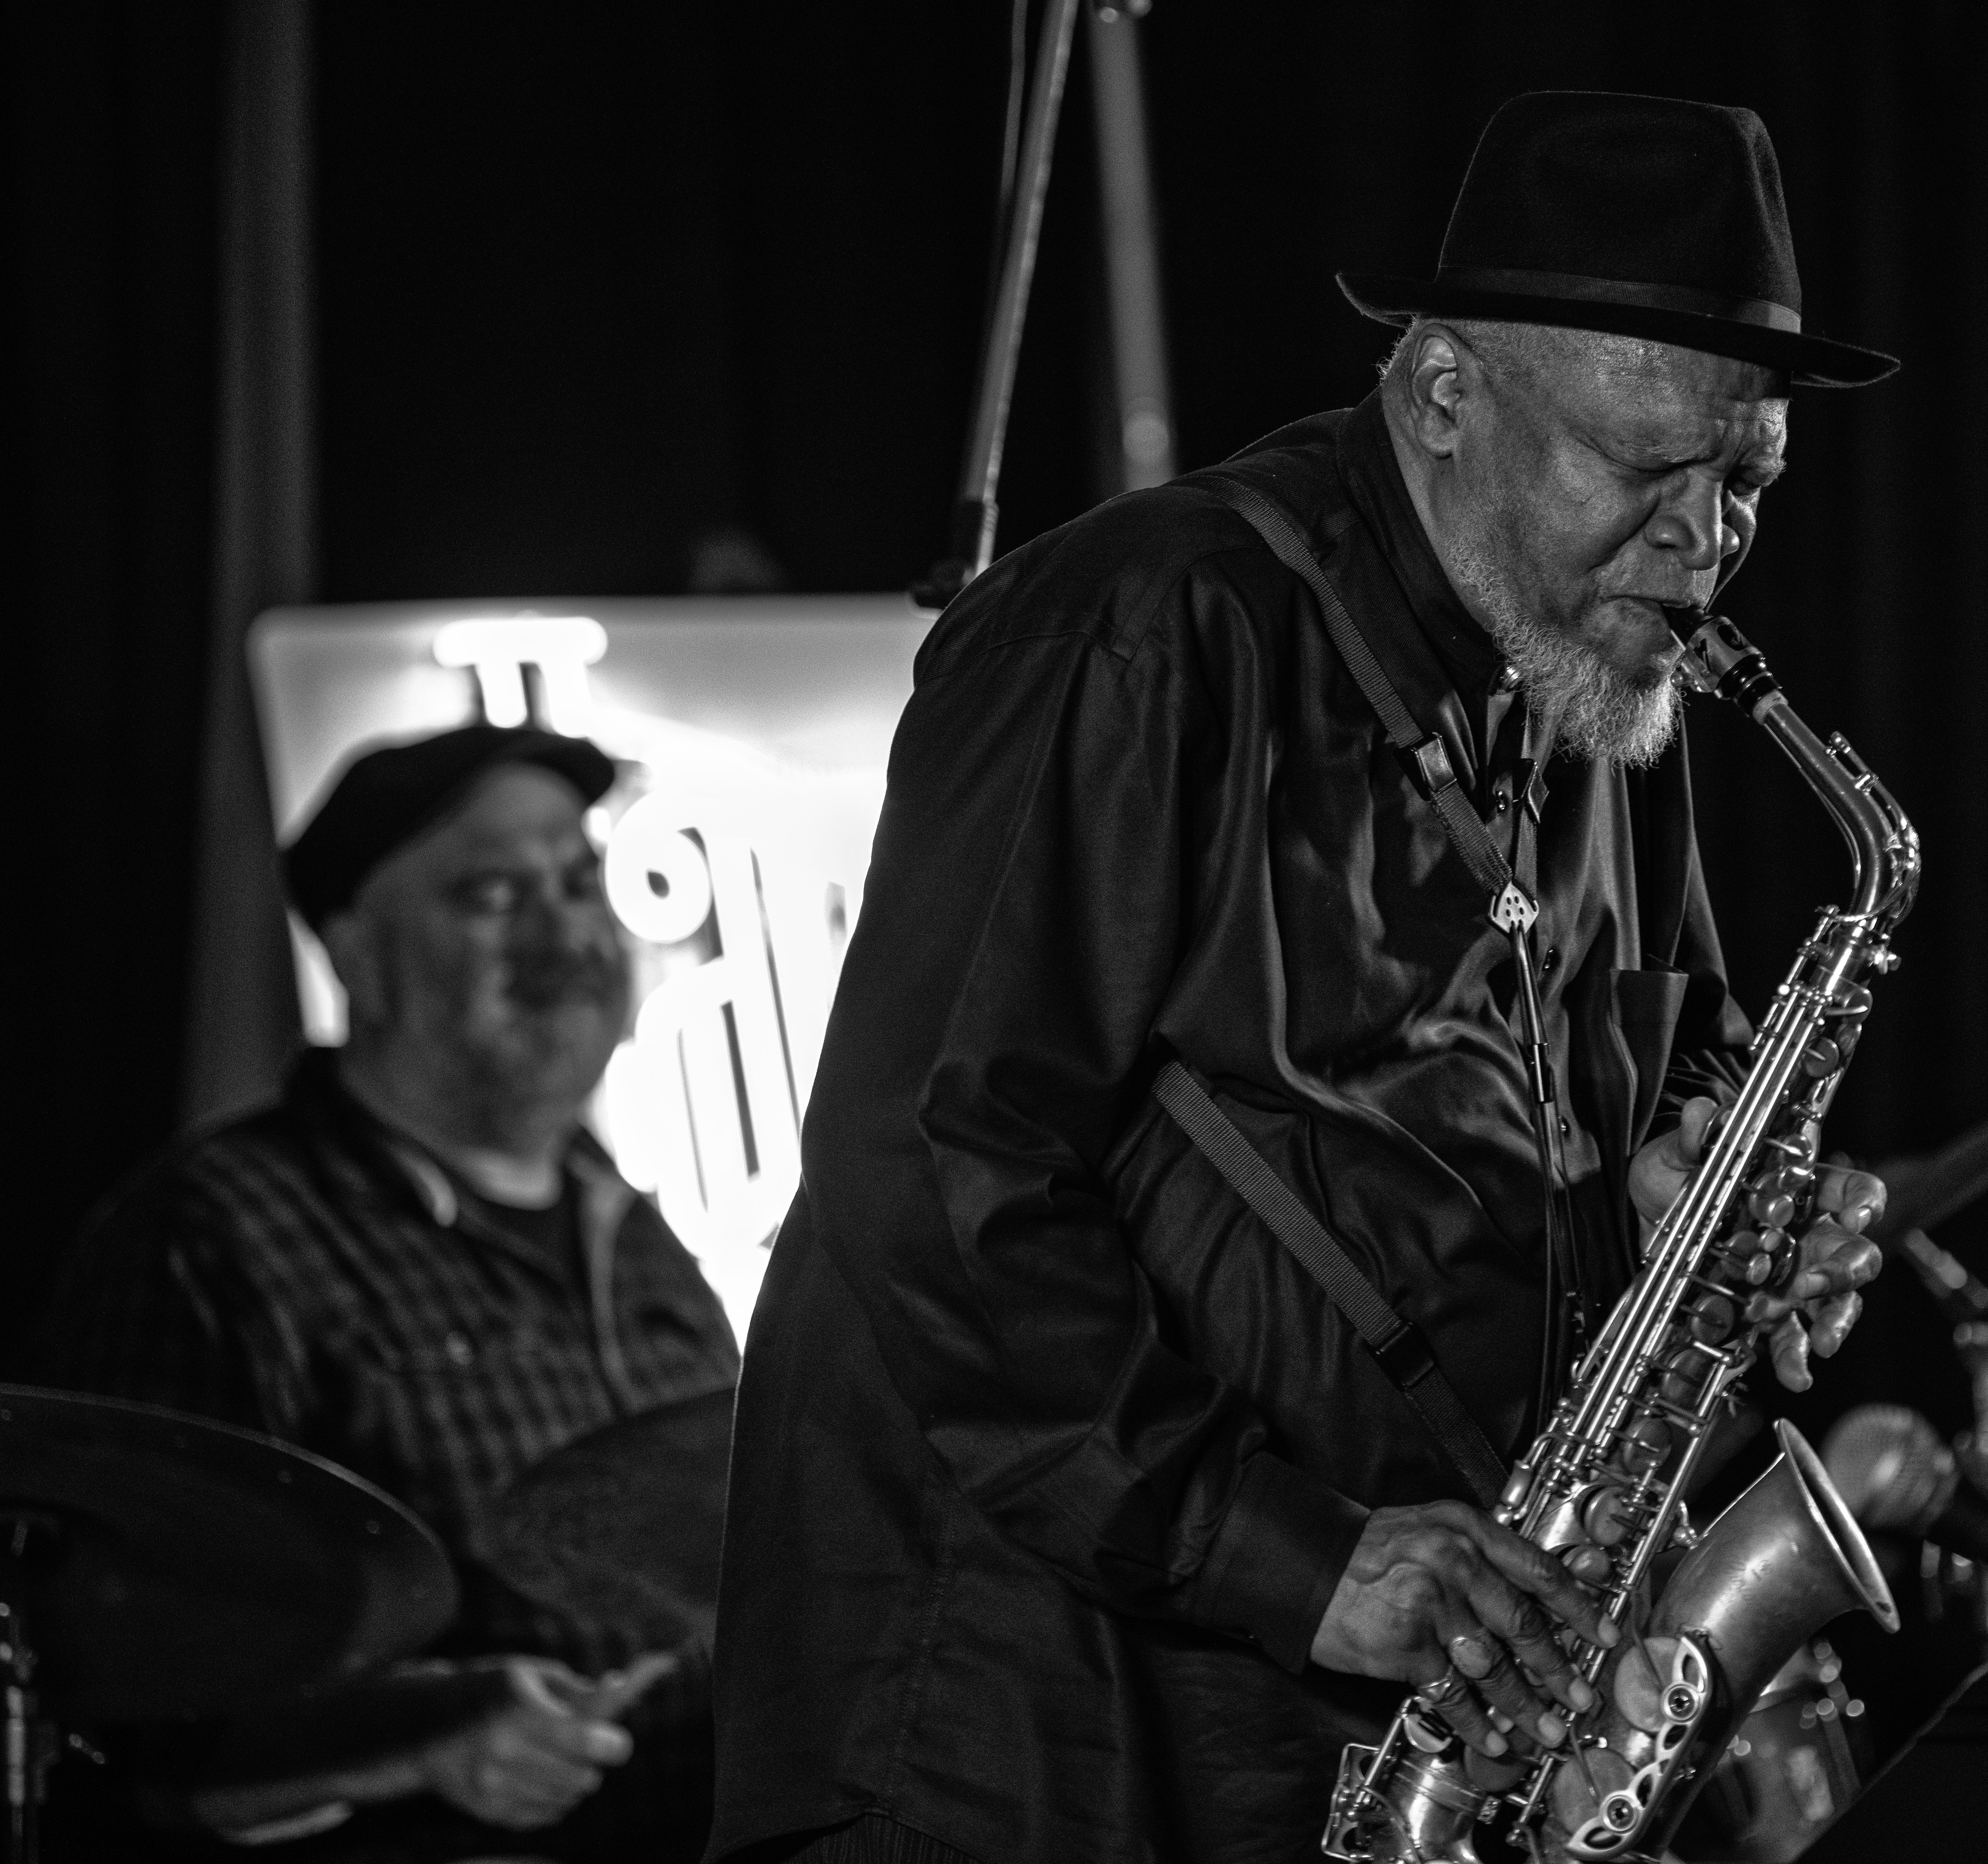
x: 316, y: 1090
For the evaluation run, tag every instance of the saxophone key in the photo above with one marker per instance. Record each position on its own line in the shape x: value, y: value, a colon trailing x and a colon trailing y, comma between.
x: 1682, y: 1380
x: 1711, y: 1318
x: 1782, y: 1258
x: 1771, y: 1207
x: 1637, y: 1684
x: 1590, y: 1565
x: 1680, y: 1418
x: 1852, y: 1003
x: 1646, y: 1444
x: 1598, y: 1786
x: 1605, y: 1515
x: 1756, y: 1267
x: 1706, y: 1282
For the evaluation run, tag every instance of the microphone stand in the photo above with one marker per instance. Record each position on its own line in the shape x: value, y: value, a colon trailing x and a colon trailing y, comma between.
x: 974, y: 510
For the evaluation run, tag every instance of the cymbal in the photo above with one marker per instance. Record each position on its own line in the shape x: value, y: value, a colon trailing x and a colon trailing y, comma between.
x: 167, y: 1566
x: 624, y: 1524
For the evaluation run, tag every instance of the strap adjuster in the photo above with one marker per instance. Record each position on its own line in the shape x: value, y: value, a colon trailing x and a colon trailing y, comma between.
x: 1428, y: 765
x: 1404, y: 1355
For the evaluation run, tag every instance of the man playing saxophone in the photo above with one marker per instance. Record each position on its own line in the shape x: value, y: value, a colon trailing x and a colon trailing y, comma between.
x: 1071, y: 1518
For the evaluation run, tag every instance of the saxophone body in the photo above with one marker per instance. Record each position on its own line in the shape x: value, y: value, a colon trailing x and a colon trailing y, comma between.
x: 1612, y: 1466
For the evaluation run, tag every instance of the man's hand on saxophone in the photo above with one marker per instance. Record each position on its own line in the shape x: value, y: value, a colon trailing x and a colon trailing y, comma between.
x: 1813, y: 1310
x: 1440, y: 1596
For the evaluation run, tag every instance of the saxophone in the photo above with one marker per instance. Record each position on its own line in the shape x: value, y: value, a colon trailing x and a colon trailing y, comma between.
x: 1612, y: 1466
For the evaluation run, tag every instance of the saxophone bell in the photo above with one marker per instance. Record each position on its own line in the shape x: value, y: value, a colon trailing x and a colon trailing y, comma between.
x: 1782, y: 1561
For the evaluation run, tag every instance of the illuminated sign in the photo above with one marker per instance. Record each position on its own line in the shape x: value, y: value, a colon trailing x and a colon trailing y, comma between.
x: 752, y: 734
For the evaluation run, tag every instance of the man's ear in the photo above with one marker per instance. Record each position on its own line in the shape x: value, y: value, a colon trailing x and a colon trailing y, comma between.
x: 1439, y: 373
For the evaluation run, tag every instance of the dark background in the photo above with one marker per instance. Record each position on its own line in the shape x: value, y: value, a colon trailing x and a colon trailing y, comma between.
x: 598, y: 285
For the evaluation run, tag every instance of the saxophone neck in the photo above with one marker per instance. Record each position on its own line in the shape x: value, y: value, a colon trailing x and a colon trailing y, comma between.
x: 1717, y: 659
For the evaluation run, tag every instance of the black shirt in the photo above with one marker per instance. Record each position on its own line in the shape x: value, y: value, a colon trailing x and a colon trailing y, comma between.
x: 1048, y: 1457
x: 550, y: 1232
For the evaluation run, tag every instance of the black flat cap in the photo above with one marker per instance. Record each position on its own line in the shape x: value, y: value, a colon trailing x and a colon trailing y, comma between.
x: 383, y: 799
x: 1650, y: 217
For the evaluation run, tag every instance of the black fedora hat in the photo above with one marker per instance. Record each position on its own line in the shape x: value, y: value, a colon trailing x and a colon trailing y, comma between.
x: 1648, y: 216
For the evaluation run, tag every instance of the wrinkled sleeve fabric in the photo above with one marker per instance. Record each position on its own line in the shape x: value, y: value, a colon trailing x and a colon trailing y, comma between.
x: 147, y: 1306
x: 1033, y: 887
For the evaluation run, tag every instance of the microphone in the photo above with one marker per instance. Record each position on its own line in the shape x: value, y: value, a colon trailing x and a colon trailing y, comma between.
x: 1895, y: 1475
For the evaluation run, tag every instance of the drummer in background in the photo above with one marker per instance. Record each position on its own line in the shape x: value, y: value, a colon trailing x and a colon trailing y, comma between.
x: 421, y: 1265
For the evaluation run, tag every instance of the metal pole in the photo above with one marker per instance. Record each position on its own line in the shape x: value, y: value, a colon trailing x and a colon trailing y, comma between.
x: 1145, y: 403
x: 976, y: 511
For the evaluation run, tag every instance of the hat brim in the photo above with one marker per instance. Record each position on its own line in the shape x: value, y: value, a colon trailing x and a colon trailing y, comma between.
x: 1809, y: 362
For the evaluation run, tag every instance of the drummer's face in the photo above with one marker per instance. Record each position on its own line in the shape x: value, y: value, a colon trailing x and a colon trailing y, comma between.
x: 494, y: 955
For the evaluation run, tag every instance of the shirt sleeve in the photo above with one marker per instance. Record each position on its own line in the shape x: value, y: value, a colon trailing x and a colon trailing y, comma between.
x: 145, y: 1306
x: 1028, y: 903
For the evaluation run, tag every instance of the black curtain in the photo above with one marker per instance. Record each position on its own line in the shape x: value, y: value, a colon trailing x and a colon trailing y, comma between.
x: 598, y: 286
x: 112, y: 132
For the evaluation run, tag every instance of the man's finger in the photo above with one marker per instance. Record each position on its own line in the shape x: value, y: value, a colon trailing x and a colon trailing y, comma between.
x: 1832, y: 1324
x: 1788, y: 1348
x: 1697, y: 1115
x: 1481, y: 1658
x: 1467, y: 1719
x: 610, y: 1697
x: 543, y: 1683
x: 1832, y: 1262
x: 1843, y: 1193
x: 1659, y: 1171
x: 523, y: 1791
x: 540, y: 1757
x: 1525, y: 1566
x: 1527, y: 1634
x: 1475, y: 1652
x: 1504, y: 1686
x: 555, y: 1746
x: 576, y: 1740
x: 1452, y: 1695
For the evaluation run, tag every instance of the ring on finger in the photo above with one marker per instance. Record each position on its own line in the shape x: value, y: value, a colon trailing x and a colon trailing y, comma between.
x: 1452, y: 1686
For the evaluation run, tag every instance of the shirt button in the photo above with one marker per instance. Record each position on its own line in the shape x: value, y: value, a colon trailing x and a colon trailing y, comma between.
x: 459, y: 1348
x: 1566, y: 1130
x: 1550, y: 962
x: 1506, y: 680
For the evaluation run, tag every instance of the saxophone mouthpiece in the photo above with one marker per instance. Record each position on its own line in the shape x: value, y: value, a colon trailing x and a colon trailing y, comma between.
x: 1717, y: 658
x: 1687, y: 670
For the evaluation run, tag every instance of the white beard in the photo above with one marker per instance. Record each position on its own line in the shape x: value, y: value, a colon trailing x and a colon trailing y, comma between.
x: 1602, y: 713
